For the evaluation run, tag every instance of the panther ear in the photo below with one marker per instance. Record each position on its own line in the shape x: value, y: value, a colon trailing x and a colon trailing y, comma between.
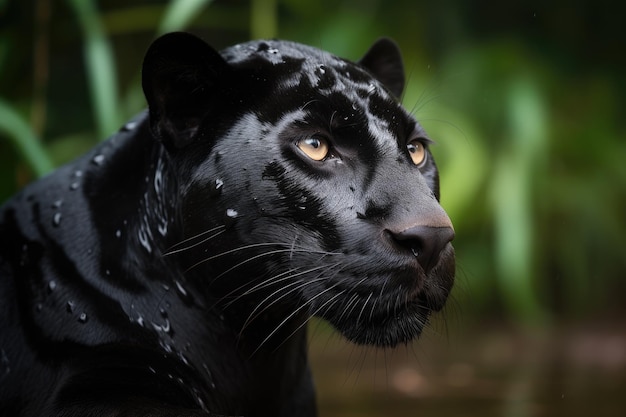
x: 384, y: 61
x: 180, y: 76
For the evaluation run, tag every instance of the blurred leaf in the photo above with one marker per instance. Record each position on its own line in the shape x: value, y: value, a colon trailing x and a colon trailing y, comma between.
x: 512, y: 199
x: 24, y: 140
x: 180, y: 13
x: 100, y: 65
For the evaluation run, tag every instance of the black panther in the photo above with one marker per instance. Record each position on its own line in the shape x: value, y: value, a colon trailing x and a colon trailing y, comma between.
x: 172, y: 270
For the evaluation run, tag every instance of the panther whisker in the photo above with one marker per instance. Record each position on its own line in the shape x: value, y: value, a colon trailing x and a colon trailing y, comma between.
x: 356, y: 302
x: 290, y: 251
x: 352, y: 299
x: 358, y: 320
x: 260, y: 308
x: 331, y: 301
x: 297, y: 286
x: 286, y: 319
x: 266, y: 282
x: 257, y: 245
x: 172, y: 249
x: 231, y: 251
x: 302, y: 284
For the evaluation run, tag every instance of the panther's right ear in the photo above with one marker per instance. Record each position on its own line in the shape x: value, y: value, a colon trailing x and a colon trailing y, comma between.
x: 180, y: 76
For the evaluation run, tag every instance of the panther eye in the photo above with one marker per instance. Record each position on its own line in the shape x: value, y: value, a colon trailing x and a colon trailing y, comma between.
x: 314, y: 147
x: 417, y: 151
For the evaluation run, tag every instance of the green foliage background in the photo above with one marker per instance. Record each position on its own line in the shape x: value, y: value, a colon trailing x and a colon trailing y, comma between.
x: 525, y: 100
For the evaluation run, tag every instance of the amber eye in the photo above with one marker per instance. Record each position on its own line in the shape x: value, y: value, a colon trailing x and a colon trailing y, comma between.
x: 314, y: 147
x: 417, y: 151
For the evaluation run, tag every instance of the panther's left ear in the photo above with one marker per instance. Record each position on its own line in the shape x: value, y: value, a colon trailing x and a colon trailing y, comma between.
x: 181, y: 76
x: 384, y: 61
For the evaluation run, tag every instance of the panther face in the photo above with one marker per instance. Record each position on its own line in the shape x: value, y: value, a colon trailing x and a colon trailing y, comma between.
x: 307, y: 189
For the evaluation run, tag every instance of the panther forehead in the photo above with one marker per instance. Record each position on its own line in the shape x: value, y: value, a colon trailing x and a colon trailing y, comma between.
x: 273, y: 52
x: 327, y: 74
x: 324, y: 70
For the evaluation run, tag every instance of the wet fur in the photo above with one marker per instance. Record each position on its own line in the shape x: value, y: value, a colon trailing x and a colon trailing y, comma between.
x: 172, y: 270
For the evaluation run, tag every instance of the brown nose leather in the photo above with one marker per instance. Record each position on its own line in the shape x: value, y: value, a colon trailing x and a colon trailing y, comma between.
x: 425, y: 243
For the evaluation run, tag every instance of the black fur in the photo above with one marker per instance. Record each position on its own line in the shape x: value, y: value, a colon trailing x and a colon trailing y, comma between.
x: 171, y: 271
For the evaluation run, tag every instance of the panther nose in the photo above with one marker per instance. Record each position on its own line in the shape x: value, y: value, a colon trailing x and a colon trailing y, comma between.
x: 425, y: 242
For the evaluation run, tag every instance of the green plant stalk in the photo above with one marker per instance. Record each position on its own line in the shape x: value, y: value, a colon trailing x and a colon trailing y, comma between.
x: 100, y: 66
x: 24, y: 140
x: 180, y: 13
x: 263, y: 19
x: 513, y: 200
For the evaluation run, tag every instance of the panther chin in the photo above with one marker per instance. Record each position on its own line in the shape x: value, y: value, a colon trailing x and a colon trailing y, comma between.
x: 394, y: 313
x: 384, y: 330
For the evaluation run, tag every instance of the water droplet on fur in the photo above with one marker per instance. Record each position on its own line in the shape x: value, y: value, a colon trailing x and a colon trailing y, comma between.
x: 371, y: 88
x: 51, y: 286
x: 209, y: 374
x: 56, y: 219
x: 118, y: 233
x: 162, y: 228
x: 39, y: 307
x: 181, y: 290
x: 83, y: 318
x: 143, y: 239
x: 165, y: 327
x: 69, y: 307
x: 183, y: 358
x: 74, y: 186
x: 183, y: 293
x: 163, y: 312
x: 57, y: 204
x: 199, y: 400
x: 98, y: 159
x: 168, y: 349
x: 140, y: 321
x: 158, y: 180
x: 231, y: 216
x: 129, y: 126
x: 215, y: 188
x: 78, y: 173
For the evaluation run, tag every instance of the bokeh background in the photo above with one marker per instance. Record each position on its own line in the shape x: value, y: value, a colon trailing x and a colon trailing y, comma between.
x: 526, y: 102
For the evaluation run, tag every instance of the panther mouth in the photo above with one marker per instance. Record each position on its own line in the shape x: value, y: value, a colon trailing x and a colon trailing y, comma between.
x: 393, y: 309
x: 385, y: 326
